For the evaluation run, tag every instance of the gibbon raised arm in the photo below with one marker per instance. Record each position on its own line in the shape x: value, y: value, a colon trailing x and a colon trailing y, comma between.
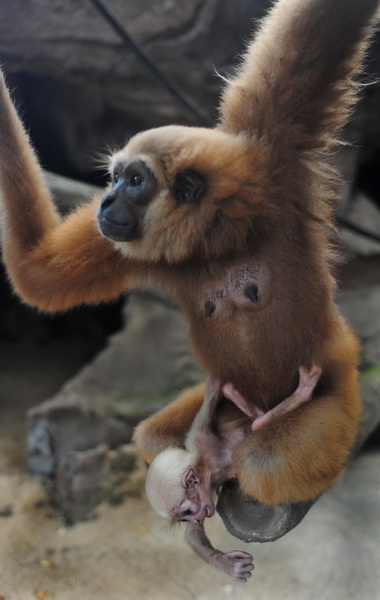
x: 235, y: 223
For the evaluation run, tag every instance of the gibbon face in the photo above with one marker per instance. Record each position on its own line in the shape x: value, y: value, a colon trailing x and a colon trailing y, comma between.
x: 177, y: 192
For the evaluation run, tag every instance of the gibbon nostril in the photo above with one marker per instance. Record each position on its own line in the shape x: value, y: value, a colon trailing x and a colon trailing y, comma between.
x: 107, y: 200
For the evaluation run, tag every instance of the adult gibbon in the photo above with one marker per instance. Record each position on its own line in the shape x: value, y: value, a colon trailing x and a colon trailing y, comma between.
x: 235, y: 222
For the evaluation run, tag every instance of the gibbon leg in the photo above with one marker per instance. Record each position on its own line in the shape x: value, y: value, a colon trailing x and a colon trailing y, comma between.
x: 169, y: 426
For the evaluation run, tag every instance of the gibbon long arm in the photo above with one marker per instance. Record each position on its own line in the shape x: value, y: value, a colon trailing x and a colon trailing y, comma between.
x: 295, y: 82
x: 52, y: 264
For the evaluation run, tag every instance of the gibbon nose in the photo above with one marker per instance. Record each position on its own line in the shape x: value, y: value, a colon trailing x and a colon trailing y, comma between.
x: 116, y: 219
x: 107, y: 200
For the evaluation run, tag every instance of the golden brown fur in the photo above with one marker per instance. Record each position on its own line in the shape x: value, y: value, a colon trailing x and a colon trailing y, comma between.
x: 261, y: 218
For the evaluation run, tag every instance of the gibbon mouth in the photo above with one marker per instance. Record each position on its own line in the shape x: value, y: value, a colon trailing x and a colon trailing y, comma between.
x: 205, y: 512
x: 118, y: 232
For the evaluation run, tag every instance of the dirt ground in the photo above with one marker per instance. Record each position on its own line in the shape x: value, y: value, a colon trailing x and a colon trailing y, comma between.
x: 128, y: 553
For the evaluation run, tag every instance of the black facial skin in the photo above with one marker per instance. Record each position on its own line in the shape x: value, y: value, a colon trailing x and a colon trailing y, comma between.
x: 122, y: 210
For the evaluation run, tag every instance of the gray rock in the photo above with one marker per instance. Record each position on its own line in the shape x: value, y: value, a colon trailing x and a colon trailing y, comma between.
x: 79, y: 483
x: 251, y: 521
x: 82, y: 479
x: 361, y: 307
x: 362, y: 212
x: 370, y: 391
x: 69, y: 424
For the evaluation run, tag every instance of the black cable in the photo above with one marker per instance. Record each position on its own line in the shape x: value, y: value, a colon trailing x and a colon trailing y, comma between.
x: 348, y: 225
x: 173, y: 89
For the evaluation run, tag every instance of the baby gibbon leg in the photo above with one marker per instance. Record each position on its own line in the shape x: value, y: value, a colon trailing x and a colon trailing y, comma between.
x: 308, y: 381
x: 297, y: 455
x: 170, y: 426
x: 249, y: 409
x: 52, y: 264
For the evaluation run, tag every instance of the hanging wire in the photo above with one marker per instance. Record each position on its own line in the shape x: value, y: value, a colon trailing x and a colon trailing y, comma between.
x: 182, y: 97
x: 170, y: 86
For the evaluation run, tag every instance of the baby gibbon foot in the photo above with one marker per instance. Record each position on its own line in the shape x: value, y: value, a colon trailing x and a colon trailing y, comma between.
x: 308, y: 379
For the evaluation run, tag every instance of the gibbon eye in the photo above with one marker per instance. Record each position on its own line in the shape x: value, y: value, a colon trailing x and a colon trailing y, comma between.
x: 188, y: 187
x: 136, y: 180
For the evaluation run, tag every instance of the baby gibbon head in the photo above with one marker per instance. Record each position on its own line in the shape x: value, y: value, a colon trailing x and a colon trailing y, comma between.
x: 163, y: 485
x: 175, y: 489
x: 179, y: 192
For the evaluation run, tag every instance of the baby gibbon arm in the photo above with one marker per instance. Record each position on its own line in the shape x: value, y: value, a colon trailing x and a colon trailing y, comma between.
x: 294, y: 83
x: 237, y: 564
x: 52, y: 264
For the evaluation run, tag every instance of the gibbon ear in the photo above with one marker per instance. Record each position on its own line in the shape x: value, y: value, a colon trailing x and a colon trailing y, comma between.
x: 189, y: 186
x: 190, y: 479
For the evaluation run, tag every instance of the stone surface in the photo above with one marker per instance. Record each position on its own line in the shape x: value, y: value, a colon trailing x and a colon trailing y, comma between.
x: 361, y: 306
x: 82, y: 479
x: 78, y: 484
x: 69, y: 425
x: 361, y: 211
x: 252, y: 521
